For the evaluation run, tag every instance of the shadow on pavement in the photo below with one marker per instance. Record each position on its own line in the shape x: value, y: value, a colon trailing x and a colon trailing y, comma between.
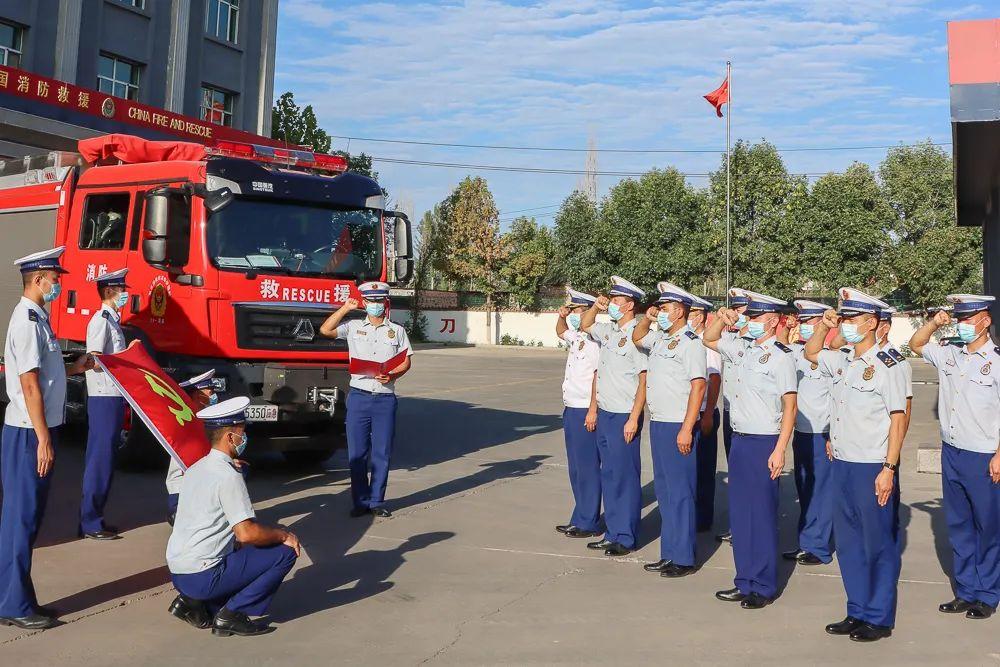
x: 113, y: 590
x: 939, y: 528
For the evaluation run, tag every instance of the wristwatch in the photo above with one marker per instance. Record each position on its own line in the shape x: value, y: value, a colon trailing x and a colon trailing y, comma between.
x: 891, y: 466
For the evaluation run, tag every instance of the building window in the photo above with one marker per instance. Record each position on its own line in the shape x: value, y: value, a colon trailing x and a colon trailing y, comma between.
x: 217, y: 106
x: 103, y: 224
x: 10, y: 44
x: 222, y: 19
x: 118, y: 77
x: 138, y: 4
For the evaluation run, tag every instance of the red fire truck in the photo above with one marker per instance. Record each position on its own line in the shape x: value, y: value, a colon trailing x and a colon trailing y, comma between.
x: 236, y: 254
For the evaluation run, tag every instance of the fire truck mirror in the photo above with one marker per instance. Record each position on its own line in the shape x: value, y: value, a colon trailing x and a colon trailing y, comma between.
x: 154, y: 237
x: 404, y: 270
x: 402, y: 236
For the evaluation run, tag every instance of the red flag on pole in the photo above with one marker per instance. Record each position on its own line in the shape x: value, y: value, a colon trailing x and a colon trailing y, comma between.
x: 166, y: 409
x: 719, y: 96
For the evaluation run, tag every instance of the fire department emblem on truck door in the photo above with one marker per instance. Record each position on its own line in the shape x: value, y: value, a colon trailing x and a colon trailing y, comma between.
x: 159, y: 295
x: 108, y: 107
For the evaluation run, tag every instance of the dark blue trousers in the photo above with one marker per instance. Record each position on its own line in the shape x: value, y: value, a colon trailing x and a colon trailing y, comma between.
x: 621, y: 485
x: 812, y: 481
x: 753, y: 514
x: 706, y: 455
x: 972, y: 510
x: 245, y: 581
x: 727, y: 433
x: 675, y: 478
x: 584, y: 469
x: 867, y: 542
x: 104, y: 429
x: 24, y: 497
x: 371, y: 427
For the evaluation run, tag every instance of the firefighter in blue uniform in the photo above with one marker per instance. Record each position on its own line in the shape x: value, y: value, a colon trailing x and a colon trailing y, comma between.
x: 36, y: 387
x: 812, y: 461
x: 737, y: 303
x: 763, y: 402
x: 221, y: 585
x: 969, y: 411
x: 621, y: 395
x: 902, y: 364
x: 580, y: 418
x: 675, y: 389
x: 707, y: 452
x: 371, y: 403
x: 201, y: 389
x: 867, y: 424
x: 105, y: 407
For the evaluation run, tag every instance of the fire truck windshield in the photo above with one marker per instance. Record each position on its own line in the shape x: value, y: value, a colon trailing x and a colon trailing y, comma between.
x: 296, y: 239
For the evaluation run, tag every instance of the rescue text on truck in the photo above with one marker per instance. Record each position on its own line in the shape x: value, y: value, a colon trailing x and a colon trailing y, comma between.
x: 236, y: 254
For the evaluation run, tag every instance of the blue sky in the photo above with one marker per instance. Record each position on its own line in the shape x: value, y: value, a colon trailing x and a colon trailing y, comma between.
x: 630, y: 74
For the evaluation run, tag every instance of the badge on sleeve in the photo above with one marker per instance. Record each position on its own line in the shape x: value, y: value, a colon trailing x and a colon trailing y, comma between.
x: 869, y: 373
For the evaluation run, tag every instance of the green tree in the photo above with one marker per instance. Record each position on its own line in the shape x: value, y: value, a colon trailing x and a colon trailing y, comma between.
x: 845, y: 224
x: 471, y: 246
x: 766, y: 240
x: 531, y: 249
x: 577, y: 243
x: 933, y: 256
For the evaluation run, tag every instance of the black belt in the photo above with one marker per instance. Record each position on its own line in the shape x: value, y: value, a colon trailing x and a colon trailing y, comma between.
x: 372, y: 393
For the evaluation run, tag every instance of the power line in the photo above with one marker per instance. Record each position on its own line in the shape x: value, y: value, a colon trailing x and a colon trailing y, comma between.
x: 536, y: 208
x: 555, y: 149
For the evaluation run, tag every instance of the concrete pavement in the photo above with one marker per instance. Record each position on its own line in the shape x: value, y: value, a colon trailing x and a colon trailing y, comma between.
x: 469, y: 569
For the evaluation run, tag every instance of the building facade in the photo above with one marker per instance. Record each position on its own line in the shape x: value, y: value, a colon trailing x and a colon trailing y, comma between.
x: 211, y: 60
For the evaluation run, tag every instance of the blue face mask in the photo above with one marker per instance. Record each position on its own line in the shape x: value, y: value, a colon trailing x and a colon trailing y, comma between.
x: 756, y: 329
x: 806, y: 331
x: 664, y: 322
x: 53, y: 294
x: 240, y: 448
x: 615, y: 312
x: 213, y: 398
x: 573, y: 321
x: 375, y: 309
x: 741, y: 321
x: 967, y: 332
x: 850, y: 333
x: 121, y: 300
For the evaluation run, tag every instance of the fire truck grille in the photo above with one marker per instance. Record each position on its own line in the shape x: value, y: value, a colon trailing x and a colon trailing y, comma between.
x: 266, y: 327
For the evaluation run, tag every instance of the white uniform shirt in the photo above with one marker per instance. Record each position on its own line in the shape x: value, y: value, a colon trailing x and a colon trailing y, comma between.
x: 32, y: 344
x: 728, y: 367
x: 581, y: 364
x: 374, y: 343
x: 865, y: 391
x: 618, y: 367
x: 674, y: 361
x: 713, y: 366
x: 902, y: 366
x: 105, y: 336
x: 969, y: 395
x: 213, y: 499
x: 763, y: 375
x: 813, y: 415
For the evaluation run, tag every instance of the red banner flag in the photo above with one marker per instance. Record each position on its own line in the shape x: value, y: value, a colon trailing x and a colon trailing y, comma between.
x: 166, y: 409
x: 719, y: 96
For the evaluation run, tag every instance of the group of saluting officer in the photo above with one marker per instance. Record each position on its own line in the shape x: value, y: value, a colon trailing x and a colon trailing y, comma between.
x: 839, y: 393
x: 225, y: 565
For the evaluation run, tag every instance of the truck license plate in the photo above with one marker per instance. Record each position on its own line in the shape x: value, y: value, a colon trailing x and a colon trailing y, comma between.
x: 262, y: 413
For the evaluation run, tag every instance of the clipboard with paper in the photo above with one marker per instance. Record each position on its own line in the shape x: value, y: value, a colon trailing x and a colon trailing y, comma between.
x: 370, y: 368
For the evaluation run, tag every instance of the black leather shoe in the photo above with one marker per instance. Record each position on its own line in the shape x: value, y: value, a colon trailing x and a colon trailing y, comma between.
x: 845, y: 627
x: 725, y: 537
x: 675, y: 571
x: 617, y: 550
x: 381, y: 512
x: 658, y: 566
x: 580, y: 532
x: 806, y: 558
x: 793, y: 554
x: 731, y: 595
x: 867, y: 632
x: 228, y: 623
x: 102, y: 535
x: 30, y: 622
x: 564, y: 528
x: 602, y: 544
x: 956, y: 606
x: 191, y: 611
x: 980, y: 611
x: 358, y: 512
x: 755, y: 601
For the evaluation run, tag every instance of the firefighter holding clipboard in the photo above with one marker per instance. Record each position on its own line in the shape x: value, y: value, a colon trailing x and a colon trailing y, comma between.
x: 380, y: 354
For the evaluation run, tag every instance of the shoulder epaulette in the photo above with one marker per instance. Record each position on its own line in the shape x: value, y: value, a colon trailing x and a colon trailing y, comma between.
x: 997, y: 349
x: 106, y: 315
x: 845, y: 350
x: 781, y: 346
x: 692, y: 335
x: 886, y: 359
x: 944, y: 342
x: 33, y: 316
x: 895, y: 354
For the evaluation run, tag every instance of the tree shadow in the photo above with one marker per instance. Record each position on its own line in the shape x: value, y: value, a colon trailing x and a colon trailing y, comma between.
x: 487, y: 474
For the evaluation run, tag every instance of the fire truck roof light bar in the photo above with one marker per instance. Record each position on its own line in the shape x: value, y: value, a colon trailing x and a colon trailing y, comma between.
x: 287, y: 157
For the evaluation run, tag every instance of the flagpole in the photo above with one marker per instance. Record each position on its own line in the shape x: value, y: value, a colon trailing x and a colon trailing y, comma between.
x: 729, y: 114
